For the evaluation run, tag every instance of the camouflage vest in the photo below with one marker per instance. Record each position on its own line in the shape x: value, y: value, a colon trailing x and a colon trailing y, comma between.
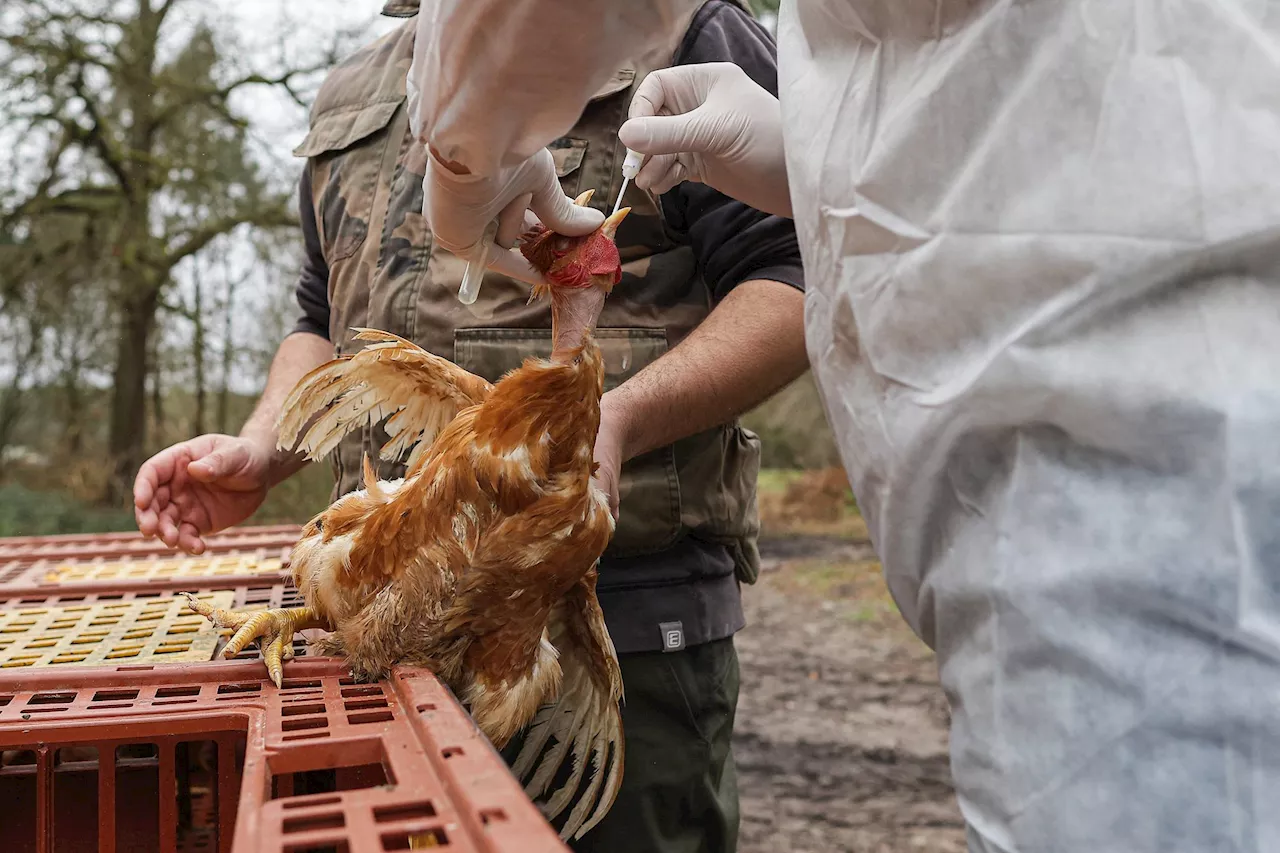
x: 385, y: 272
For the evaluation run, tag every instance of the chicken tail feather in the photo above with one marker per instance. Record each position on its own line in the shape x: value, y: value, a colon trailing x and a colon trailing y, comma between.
x: 583, y: 727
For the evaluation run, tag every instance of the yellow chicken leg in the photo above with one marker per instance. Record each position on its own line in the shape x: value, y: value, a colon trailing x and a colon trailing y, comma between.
x: 273, y: 629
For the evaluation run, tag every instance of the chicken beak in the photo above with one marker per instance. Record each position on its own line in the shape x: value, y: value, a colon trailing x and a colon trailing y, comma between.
x: 610, y: 226
x: 582, y: 200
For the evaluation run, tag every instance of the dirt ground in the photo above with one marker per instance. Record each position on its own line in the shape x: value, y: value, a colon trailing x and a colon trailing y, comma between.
x: 841, y: 740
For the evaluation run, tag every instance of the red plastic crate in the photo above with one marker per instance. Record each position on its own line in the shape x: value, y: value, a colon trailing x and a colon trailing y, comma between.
x: 29, y: 549
x: 212, y: 757
x: 171, y: 758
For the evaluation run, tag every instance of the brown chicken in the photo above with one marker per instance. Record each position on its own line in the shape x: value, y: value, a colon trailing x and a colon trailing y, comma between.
x: 481, y: 563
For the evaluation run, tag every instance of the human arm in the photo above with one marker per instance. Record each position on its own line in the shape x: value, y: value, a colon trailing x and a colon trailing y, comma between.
x: 752, y: 343
x: 211, y: 482
x: 749, y: 347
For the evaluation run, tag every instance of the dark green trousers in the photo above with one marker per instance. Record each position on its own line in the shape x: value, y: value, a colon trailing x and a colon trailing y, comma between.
x: 679, y: 789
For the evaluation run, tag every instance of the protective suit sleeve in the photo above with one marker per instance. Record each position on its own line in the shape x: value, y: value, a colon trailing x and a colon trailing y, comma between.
x: 494, y: 81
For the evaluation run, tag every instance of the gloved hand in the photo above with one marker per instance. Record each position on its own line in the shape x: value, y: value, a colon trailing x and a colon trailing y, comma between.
x: 713, y: 124
x: 458, y: 207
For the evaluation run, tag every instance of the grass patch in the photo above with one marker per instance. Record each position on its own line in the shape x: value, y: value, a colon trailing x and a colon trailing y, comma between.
x: 855, y: 588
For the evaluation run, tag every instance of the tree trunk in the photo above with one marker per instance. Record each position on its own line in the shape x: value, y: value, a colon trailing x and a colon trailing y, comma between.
x: 157, y: 390
x: 228, y: 353
x: 198, y: 354
x: 13, y: 398
x: 129, y: 395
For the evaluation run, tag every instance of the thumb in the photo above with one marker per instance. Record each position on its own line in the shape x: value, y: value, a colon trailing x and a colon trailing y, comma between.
x: 221, y: 463
x: 556, y: 210
x: 688, y: 132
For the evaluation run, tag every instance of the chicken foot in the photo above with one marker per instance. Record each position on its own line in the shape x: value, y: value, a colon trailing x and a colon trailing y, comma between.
x: 273, y: 629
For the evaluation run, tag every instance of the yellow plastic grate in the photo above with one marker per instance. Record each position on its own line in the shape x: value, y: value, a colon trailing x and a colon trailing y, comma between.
x: 154, y: 630
x: 164, y: 567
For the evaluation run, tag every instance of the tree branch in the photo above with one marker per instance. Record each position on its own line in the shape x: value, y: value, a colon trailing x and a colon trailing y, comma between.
x: 100, y: 137
x: 198, y: 238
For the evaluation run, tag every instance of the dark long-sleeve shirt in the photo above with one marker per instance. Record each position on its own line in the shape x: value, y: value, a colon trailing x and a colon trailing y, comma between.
x: 732, y: 243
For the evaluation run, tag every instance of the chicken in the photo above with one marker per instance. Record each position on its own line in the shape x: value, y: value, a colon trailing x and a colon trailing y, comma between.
x: 481, y: 562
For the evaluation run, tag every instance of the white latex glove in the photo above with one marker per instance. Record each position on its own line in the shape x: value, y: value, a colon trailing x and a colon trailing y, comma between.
x: 458, y: 208
x: 494, y: 81
x: 713, y: 124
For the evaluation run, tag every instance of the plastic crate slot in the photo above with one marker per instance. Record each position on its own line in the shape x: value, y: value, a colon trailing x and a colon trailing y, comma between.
x: 5, y: 700
x: 488, y: 816
x: 169, y: 692
x: 336, y: 847
x: 51, y: 698
x: 309, y: 696
x: 328, y: 780
x: 407, y: 811
x: 362, y: 690
x: 312, y: 803
x: 299, y: 684
x: 115, y: 695
x: 293, y: 724
x: 174, y: 702
x: 300, y: 710
x: 370, y: 717
x: 365, y: 704
x: 314, y: 733
x: 451, y: 751
x: 427, y: 839
x: 227, y: 689
x: 313, y: 823
x: 45, y: 710
x: 426, y: 707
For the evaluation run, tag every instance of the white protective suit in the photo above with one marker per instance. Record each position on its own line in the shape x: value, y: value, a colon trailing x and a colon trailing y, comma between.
x: 1042, y: 247
x: 1042, y: 250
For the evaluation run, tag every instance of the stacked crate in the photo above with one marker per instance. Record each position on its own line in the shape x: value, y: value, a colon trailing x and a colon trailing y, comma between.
x: 118, y: 732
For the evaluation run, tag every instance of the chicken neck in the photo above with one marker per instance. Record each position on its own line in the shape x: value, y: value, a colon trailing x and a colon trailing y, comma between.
x: 574, y: 312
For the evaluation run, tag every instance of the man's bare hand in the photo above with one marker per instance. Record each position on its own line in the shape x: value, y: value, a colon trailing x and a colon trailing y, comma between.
x: 200, y: 486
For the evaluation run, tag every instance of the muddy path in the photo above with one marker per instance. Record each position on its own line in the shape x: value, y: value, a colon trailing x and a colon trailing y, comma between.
x: 841, y: 738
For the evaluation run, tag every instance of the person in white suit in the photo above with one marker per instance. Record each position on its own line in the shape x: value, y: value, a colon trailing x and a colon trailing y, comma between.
x: 1042, y: 241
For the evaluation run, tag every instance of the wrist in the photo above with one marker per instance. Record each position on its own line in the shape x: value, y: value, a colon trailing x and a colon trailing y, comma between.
x: 276, y: 464
x: 616, y: 418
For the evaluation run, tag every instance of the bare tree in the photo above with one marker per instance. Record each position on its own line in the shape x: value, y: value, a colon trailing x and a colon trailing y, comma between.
x: 127, y: 121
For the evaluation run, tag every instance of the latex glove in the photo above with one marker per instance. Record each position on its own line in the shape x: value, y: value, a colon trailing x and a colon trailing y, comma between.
x: 713, y: 124
x: 494, y: 81
x: 458, y: 208
x: 200, y: 486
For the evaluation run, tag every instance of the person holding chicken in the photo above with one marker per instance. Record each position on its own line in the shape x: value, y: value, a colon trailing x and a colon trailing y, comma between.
x: 705, y: 323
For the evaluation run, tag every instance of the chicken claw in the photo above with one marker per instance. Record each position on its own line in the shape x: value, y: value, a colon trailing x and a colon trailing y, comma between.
x: 273, y: 629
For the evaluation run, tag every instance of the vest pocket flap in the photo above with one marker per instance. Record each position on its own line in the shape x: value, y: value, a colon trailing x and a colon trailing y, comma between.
x: 490, y: 353
x: 620, y: 81
x: 568, y: 154
x: 342, y: 128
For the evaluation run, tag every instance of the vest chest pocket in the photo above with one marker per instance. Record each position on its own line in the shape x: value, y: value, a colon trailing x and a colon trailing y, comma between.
x: 348, y: 148
x: 568, y: 154
x: 649, y: 514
